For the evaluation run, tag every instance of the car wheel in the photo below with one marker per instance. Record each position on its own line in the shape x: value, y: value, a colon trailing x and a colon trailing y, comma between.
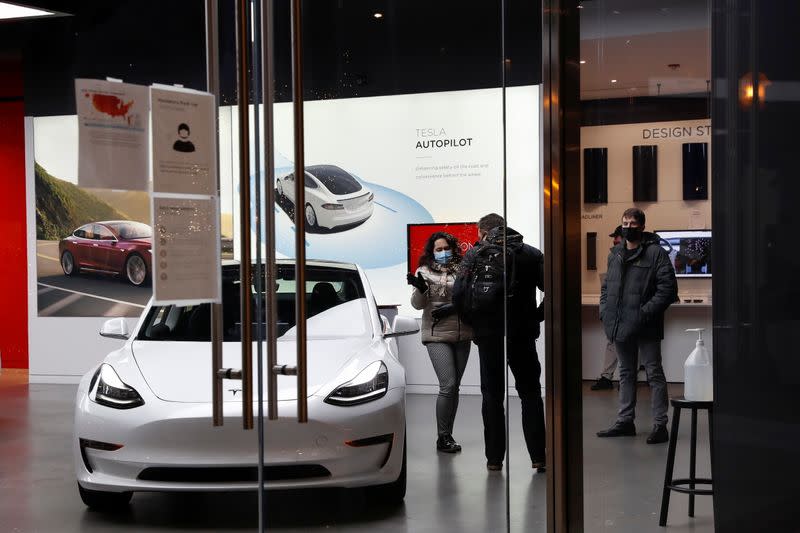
x: 311, y: 216
x: 68, y: 264
x: 100, y: 500
x: 391, y: 493
x: 135, y: 269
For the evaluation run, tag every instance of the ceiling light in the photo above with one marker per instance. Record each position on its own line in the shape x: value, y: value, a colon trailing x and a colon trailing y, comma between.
x: 613, y: 81
x: 616, y: 12
x: 13, y: 11
x: 583, y: 61
x: 378, y: 15
x: 580, y: 6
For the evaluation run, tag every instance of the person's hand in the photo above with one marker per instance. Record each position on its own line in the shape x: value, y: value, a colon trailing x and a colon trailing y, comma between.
x: 443, y: 311
x: 417, y: 281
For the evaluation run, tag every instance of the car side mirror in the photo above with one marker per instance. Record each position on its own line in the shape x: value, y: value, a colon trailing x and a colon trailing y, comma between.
x: 403, y: 325
x: 116, y: 328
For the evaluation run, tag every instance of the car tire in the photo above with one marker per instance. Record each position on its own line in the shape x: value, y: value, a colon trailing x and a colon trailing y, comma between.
x: 104, y: 501
x: 135, y: 270
x: 392, y: 493
x: 68, y: 264
x: 311, y: 216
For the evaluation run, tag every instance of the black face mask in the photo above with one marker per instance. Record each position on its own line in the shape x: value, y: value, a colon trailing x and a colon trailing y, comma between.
x: 632, y: 234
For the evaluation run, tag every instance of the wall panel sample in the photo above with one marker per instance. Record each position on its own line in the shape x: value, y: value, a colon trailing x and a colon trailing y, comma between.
x: 595, y: 175
x: 695, y: 171
x: 591, y: 250
x: 645, y: 173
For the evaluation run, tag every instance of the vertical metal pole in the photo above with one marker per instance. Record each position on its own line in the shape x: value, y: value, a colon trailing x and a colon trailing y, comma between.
x: 299, y: 208
x: 268, y: 91
x: 212, y: 86
x: 243, y: 90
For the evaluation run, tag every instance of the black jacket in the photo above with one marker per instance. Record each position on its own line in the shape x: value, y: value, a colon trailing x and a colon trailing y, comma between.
x: 637, y: 291
x: 524, y: 315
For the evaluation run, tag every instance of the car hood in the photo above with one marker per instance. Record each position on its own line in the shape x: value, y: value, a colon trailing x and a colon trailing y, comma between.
x: 181, y: 371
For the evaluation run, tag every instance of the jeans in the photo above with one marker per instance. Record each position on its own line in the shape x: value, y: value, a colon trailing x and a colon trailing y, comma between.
x: 449, y: 361
x: 524, y: 365
x: 609, y: 362
x: 649, y: 351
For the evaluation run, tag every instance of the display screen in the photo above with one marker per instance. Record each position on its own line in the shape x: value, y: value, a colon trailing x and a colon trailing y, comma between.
x: 465, y: 232
x: 689, y: 251
x: 695, y: 171
x: 645, y: 173
x: 595, y: 175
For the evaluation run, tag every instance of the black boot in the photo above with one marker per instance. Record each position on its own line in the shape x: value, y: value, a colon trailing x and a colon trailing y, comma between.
x: 619, y: 429
x: 602, y: 384
x: 658, y: 435
x: 445, y: 443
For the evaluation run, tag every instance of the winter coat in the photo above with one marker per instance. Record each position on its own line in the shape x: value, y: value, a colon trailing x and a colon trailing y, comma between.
x: 637, y: 291
x: 449, y: 328
x: 524, y: 315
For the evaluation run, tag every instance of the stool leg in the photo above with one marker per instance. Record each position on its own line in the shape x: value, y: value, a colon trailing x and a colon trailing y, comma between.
x: 673, y: 440
x: 692, y: 460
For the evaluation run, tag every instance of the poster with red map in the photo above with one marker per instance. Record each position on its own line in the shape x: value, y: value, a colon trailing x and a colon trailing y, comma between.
x: 113, y: 132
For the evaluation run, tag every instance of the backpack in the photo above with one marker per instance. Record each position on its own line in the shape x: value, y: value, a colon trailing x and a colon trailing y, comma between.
x: 479, y: 293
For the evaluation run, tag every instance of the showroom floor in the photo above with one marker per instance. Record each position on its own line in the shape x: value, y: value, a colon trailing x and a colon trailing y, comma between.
x: 445, y: 493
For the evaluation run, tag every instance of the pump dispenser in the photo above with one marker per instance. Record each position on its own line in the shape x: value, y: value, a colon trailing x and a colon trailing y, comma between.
x: 698, y: 375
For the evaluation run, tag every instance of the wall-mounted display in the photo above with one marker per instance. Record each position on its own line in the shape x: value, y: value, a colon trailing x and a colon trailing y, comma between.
x: 689, y: 251
x: 695, y: 171
x: 645, y: 173
x: 595, y: 175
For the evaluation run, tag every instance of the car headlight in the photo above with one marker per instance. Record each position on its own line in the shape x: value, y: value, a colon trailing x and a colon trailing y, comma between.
x: 370, y: 384
x: 332, y: 207
x: 107, y: 389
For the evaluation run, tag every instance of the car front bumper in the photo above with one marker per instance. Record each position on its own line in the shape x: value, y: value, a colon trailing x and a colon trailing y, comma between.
x: 174, y: 446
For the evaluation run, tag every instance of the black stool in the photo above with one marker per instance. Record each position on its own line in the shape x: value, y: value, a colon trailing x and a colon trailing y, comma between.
x: 677, y: 485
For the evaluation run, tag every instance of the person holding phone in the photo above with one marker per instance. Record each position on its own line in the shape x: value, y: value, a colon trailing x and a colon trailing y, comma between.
x: 443, y: 333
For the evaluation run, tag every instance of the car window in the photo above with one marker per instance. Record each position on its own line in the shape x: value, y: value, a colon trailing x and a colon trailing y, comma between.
x: 132, y: 230
x: 102, y: 233
x: 310, y: 183
x: 84, y: 232
x: 327, y: 288
x: 335, y: 179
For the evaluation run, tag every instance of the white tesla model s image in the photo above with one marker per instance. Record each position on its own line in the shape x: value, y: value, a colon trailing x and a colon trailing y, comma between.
x: 333, y: 197
x: 143, y: 416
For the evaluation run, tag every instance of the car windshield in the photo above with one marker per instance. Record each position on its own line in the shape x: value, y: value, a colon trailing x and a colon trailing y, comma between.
x: 336, y: 306
x: 335, y: 179
x: 131, y: 230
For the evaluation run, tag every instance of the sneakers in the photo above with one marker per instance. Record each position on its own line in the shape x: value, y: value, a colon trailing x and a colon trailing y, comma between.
x: 539, y: 466
x: 445, y: 443
x: 494, y: 467
x: 602, y: 384
x: 619, y: 429
x: 658, y: 435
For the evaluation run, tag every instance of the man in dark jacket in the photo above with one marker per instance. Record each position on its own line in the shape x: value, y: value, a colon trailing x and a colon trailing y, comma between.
x: 639, y: 287
x: 520, y: 331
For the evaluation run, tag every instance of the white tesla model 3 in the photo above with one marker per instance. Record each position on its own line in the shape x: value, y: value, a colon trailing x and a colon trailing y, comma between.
x: 333, y: 196
x: 143, y: 415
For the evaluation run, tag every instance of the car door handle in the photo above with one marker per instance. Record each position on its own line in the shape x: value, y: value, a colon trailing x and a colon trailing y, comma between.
x: 95, y: 244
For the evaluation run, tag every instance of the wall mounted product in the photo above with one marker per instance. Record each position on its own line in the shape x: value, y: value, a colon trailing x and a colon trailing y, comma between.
x: 591, y: 250
x: 645, y: 173
x: 695, y: 171
x: 689, y: 251
x: 595, y: 175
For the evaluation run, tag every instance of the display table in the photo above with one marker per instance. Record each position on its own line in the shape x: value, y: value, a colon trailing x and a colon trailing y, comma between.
x: 694, y: 311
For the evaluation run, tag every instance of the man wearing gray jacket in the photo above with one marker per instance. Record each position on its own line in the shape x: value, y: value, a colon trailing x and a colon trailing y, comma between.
x: 638, y: 289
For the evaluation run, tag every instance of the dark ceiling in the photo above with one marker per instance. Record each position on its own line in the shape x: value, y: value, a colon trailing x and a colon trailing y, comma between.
x: 417, y: 46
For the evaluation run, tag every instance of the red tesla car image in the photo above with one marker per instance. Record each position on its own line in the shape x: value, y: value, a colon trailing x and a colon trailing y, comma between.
x: 118, y: 247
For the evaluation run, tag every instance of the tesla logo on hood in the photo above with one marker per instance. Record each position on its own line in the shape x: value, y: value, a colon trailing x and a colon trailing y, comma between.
x: 234, y: 391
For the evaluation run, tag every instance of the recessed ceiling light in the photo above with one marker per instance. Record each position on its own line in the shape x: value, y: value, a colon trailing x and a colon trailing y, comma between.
x: 378, y: 15
x: 580, y: 6
x: 583, y: 61
x: 616, y: 12
x: 613, y: 81
x: 13, y: 11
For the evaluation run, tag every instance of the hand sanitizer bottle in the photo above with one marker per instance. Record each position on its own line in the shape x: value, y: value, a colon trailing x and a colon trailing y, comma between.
x: 698, y: 382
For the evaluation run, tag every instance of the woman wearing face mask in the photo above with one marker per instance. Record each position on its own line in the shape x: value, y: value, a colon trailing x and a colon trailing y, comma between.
x: 445, y: 336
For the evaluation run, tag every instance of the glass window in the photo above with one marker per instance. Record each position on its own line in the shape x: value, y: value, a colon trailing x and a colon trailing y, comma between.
x: 335, y: 179
x: 102, y: 233
x: 84, y: 232
x: 132, y: 230
x: 310, y: 183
